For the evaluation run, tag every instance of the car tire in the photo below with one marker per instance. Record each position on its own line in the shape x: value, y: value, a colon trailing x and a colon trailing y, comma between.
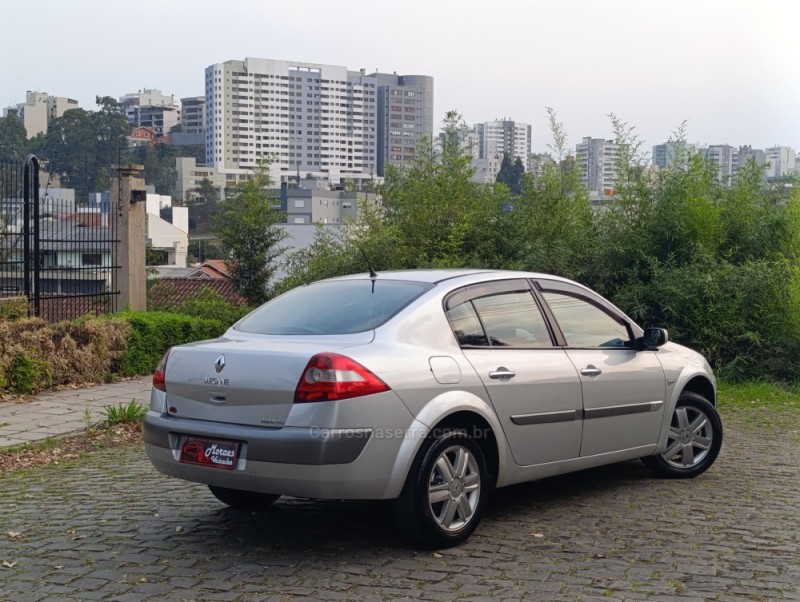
x: 243, y: 500
x: 694, y: 440
x: 445, y: 492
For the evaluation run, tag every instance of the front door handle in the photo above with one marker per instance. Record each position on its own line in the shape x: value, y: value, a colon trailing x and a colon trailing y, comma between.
x: 591, y: 370
x: 502, y: 373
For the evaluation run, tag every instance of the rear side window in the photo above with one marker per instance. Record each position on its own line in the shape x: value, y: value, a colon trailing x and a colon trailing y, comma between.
x: 338, y: 307
x: 509, y: 319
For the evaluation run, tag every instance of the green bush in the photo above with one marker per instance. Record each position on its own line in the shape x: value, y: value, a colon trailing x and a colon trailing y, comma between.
x: 35, y: 354
x: 27, y: 374
x: 13, y: 308
x: 152, y: 333
x: 744, y: 318
x: 210, y: 305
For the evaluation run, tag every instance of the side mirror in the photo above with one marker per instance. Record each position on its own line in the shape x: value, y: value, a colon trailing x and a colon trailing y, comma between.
x: 654, y: 338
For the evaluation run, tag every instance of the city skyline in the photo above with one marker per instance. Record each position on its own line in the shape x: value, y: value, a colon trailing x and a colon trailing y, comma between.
x: 724, y: 67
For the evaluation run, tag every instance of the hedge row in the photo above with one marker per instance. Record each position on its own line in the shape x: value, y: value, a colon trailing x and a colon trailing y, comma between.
x: 36, y: 355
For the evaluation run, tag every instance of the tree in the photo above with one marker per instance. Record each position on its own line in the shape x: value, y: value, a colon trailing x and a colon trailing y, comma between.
x: 13, y: 139
x: 82, y: 145
x: 159, y: 163
x: 248, y: 230
x: 551, y: 226
x: 203, y: 205
x: 511, y: 174
x: 437, y: 214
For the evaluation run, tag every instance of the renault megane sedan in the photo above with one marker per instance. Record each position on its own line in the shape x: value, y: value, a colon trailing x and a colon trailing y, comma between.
x: 430, y: 388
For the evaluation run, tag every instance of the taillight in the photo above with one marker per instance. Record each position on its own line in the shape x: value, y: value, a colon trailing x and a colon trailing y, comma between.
x: 159, y: 376
x: 330, y: 376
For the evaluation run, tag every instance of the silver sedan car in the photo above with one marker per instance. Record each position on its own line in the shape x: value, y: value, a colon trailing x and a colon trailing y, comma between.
x: 430, y: 388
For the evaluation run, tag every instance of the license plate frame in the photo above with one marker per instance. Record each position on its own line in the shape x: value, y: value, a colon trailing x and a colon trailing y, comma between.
x: 213, y: 453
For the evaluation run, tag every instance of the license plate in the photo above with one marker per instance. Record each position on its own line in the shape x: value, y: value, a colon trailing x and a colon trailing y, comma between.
x: 210, y: 452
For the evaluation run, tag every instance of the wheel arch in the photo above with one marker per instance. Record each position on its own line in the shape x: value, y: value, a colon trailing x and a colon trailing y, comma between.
x: 453, y: 409
x: 702, y: 386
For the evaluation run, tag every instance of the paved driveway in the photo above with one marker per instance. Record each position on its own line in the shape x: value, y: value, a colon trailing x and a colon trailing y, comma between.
x: 117, y: 530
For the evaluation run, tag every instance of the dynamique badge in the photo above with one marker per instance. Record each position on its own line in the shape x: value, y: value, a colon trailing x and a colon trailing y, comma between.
x: 219, y: 364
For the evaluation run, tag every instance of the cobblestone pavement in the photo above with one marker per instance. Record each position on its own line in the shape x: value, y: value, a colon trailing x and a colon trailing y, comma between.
x: 114, y: 529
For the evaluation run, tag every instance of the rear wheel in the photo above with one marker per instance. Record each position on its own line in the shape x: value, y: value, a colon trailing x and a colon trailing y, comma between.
x: 694, y: 440
x: 445, y: 492
x: 243, y: 500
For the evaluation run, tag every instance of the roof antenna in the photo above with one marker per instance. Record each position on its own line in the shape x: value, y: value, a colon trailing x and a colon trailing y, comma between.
x: 372, y: 273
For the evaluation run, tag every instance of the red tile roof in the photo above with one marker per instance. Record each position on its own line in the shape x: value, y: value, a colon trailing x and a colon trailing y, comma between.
x: 169, y: 292
x: 215, y: 268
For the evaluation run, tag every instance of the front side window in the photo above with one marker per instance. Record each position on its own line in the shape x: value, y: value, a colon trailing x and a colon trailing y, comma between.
x: 585, y: 324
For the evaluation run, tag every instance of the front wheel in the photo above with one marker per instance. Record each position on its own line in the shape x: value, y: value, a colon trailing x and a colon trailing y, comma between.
x: 243, y: 500
x: 445, y: 492
x: 694, y: 440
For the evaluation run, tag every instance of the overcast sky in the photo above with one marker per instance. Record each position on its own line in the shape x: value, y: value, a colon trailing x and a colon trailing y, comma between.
x: 730, y: 68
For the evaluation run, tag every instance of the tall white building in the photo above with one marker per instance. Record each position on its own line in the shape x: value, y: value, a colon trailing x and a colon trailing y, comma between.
x: 781, y: 161
x: 504, y: 136
x: 490, y: 140
x: 311, y: 118
x: 596, y: 161
x: 323, y: 120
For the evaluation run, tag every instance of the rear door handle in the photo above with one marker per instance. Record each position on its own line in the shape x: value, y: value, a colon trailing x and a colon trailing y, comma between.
x: 591, y: 370
x: 502, y: 373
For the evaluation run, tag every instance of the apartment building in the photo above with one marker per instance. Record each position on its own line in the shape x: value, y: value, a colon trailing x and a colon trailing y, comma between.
x: 151, y: 109
x: 39, y: 109
x: 746, y: 154
x: 405, y: 117
x: 189, y: 177
x: 193, y: 122
x: 311, y: 118
x: 781, y: 161
x: 538, y: 162
x: 487, y: 142
x: 311, y: 204
x: 595, y: 159
x: 672, y: 154
x: 724, y: 158
x: 505, y: 136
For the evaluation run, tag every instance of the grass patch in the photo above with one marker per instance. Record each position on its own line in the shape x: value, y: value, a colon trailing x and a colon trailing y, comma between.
x: 761, y: 404
x: 132, y: 412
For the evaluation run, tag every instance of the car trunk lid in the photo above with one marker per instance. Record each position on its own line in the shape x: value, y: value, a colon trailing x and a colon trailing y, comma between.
x: 249, y: 380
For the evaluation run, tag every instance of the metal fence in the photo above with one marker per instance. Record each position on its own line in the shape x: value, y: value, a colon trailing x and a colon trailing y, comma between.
x: 58, y: 247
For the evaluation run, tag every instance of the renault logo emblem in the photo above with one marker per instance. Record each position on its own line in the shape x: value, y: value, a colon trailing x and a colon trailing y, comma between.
x: 219, y: 364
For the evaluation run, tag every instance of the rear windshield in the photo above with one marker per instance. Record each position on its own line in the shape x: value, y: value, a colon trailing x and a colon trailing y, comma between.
x: 338, y: 307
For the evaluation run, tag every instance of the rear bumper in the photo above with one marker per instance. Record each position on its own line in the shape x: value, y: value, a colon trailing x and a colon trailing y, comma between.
x: 285, y: 445
x: 303, y: 462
